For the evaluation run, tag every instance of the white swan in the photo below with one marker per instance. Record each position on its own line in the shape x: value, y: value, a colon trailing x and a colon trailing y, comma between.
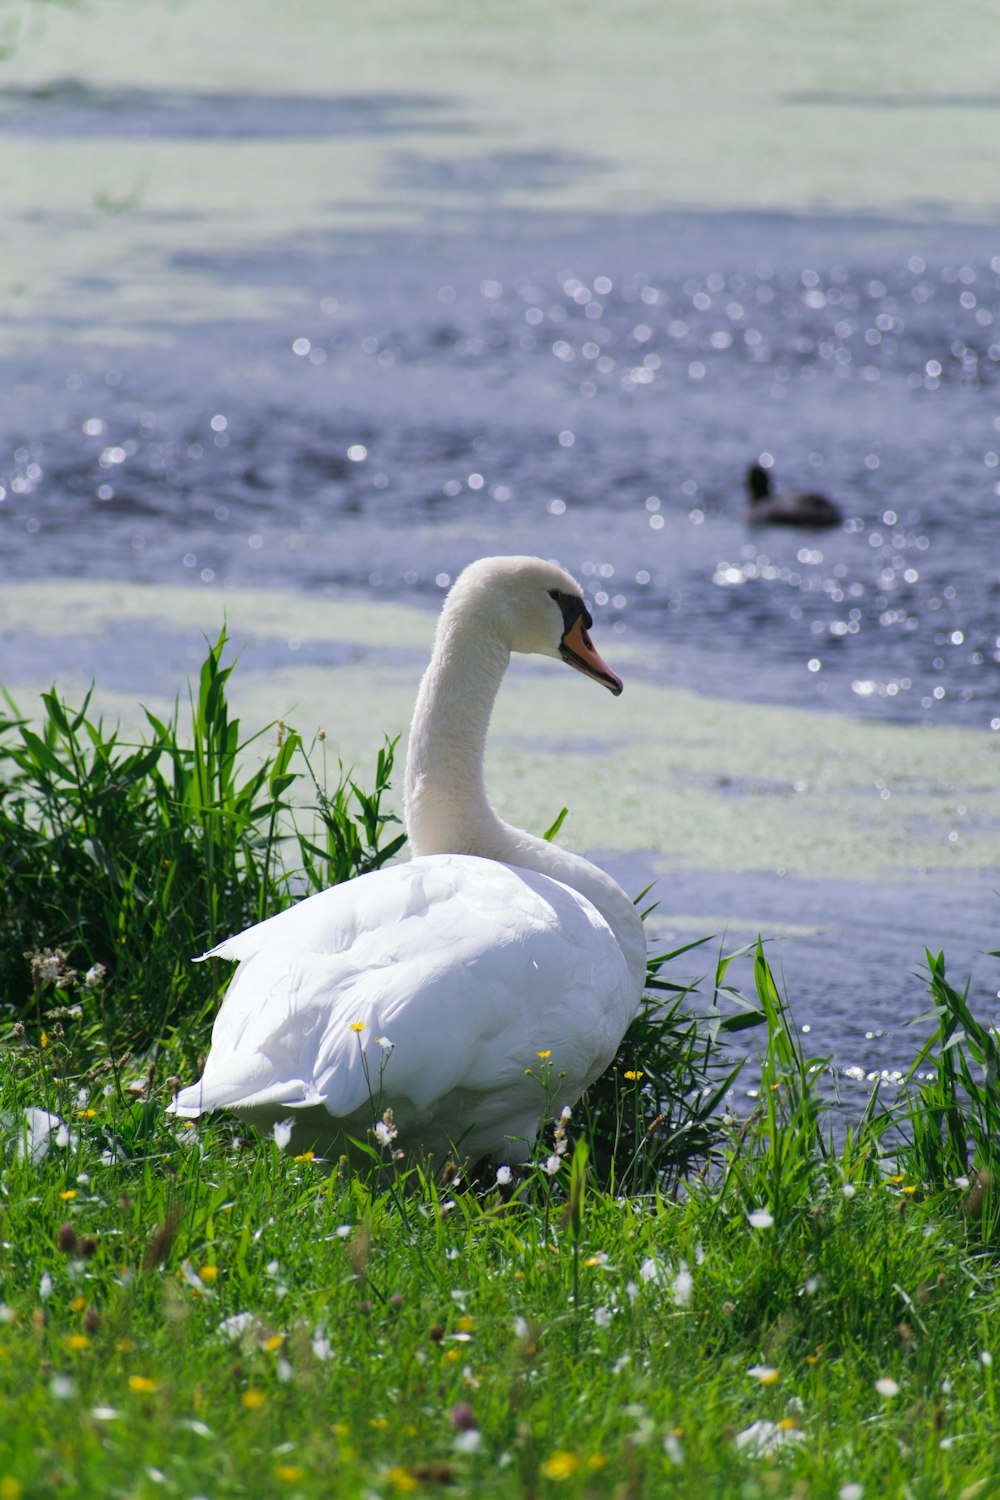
x: 488, y: 950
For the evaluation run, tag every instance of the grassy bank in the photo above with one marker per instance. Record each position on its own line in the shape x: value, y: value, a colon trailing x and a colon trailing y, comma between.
x: 676, y: 1302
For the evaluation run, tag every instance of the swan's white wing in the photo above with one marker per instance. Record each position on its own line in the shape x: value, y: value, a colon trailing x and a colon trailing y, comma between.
x: 470, y: 968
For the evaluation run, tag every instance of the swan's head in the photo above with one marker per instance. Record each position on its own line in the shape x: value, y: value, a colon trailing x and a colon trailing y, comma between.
x: 534, y: 607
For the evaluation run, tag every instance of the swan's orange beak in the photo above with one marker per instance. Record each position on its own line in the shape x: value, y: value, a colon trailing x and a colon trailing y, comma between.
x: 576, y: 649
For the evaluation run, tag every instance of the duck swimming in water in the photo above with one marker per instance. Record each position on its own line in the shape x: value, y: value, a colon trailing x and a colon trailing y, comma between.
x: 806, y: 509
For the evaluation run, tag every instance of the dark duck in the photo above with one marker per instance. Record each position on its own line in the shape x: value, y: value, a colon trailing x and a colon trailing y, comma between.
x: 767, y: 509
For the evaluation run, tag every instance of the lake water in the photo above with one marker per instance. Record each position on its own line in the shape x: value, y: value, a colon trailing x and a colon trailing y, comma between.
x: 354, y: 411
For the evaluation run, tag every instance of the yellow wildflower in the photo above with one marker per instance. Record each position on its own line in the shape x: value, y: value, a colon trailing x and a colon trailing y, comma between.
x: 11, y: 1488
x: 909, y: 1190
x: 142, y: 1385
x: 788, y: 1424
x: 44, y: 1039
x: 634, y: 1074
x: 274, y: 1342
x: 597, y: 1461
x: 560, y: 1466
x: 357, y: 1025
x: 208, y: 1273
x: 898, y: 1178
x: 253, y: 1400
x: 68, y: 1195
x: 78, y: 1304
x: 379, y: 1423
x: 402, y: 1480
x: 306, y: 1156
x: 125, y: 1346
x: 340, y: 1429
x: 289, y: 1472
x: 75, y: 1342
x: 451, y: 1355
x: 465, y: 1324
x: 86, y: 1114
x: 544, y: 1055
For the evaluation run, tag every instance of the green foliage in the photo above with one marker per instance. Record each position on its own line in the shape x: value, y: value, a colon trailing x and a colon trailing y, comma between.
x: 139, y: 857
x: 178, y: 1304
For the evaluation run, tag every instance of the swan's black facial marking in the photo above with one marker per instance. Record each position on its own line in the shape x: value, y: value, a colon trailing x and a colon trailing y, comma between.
x: 576, y: 647
x: 572, y: 608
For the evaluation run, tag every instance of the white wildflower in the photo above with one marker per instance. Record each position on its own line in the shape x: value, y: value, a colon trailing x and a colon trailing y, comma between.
x: 651, y: 1269
x: 673, y: 1450
x: 760, y: 1219
x: 848, y: 1190
x: 40, y: 1127
x: 552, y: 1165
x: 104, y: 1413
x: 766, y: 1374
x: 45, y: 1287
x: 282, y: 1133
x: 986, y: 1358
x: 521, y: 1327
x: 962, y: 1182
x: 631, y: 1290
x: 683, y: 1285
x: 468, y: 1441
x: 761, y: 1438
x: 284, y: 1371
x: 62, y: 1387
x: 385, y: 1043
x: 193, y: 1280
x: 602, y: 1316
x: 273, y: 1267
x: 565, y: 1115
x: 385, y: 1130
x: 236, y: 1325
x: 94, y: 977
x: 699, y: 1254
x: 504, y: 1176
x: 850, y: 1491
x: 321, y: 1346
x: 7, y: 1314
x: 887, y: 1387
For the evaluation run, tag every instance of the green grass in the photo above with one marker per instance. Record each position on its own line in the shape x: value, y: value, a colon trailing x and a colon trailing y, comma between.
x: 186, y: 1311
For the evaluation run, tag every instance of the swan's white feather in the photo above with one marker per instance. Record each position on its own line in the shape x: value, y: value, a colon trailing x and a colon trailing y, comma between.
x: 470, y: 968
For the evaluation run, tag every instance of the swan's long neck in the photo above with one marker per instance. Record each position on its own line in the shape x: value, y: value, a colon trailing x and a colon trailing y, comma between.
x: 447, y: 808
